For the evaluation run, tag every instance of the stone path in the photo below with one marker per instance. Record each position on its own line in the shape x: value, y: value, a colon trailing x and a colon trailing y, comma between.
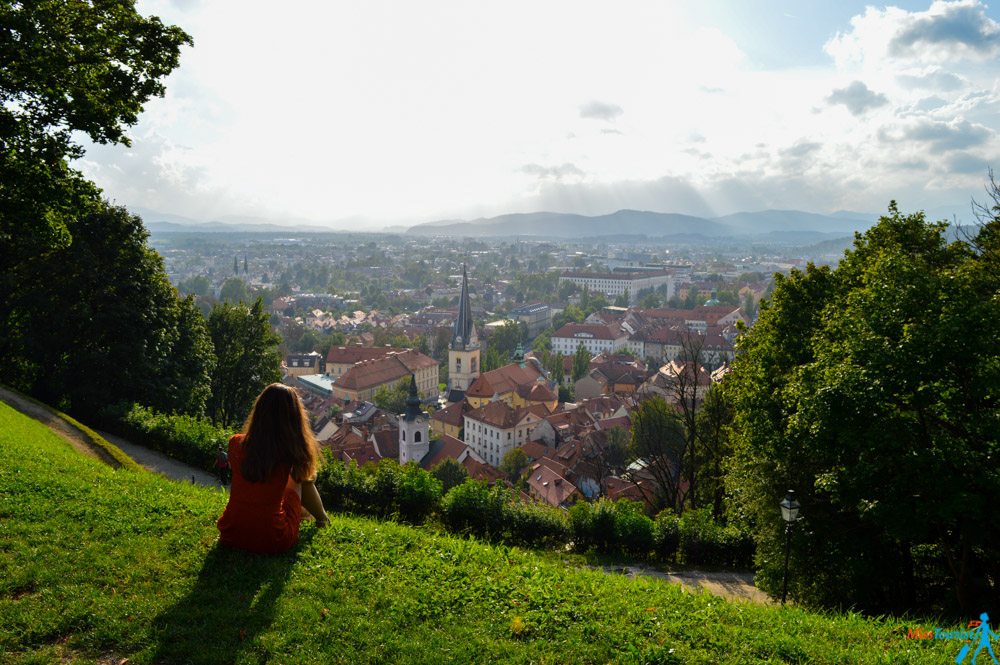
x: 157, y: 462
x: 729, y: 585
x: 149, y: 459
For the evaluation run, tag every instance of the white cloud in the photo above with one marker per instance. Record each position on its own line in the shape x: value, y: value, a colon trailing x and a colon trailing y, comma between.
x: 405, y: 112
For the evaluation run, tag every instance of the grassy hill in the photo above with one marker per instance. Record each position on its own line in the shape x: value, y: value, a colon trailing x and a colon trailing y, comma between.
x: 97, y: 565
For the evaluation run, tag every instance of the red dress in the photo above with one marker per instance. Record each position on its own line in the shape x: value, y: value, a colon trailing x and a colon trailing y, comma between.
x: 260, y: 517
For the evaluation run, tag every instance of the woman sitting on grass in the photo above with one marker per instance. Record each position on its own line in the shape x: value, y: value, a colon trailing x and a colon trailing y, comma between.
x: 274, y: 462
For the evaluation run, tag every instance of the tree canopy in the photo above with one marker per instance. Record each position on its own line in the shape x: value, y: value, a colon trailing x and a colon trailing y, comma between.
x: 873, y: 390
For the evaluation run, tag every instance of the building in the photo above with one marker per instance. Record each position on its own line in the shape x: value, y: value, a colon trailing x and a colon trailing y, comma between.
x: 596, y: 338
x: 536, y: 316
x: 495, y: 428
x: 342, y: 358
x: 297, y: 364
x: 364, y: 378
x: 614, y: 284
x: 517, y: 384
x: 463, y: 351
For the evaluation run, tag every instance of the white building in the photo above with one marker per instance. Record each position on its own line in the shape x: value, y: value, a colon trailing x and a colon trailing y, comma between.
x: 614, y: 284
x: 596, y: 338
x: 495, y: 428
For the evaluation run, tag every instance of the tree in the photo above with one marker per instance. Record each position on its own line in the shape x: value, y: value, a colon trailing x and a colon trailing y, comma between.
x: 491, y: 359
x: 658, y: 445
x: 67, y: 67
x: 581, y: 362
x: 543, y: 342
x: 609, y: 452
x: 507, y: 337
x: 92, y: 338
x: 513, y: 464
x: 392, y: 398
x: 623, y: 300
x: 872, y: 391
x: 247, y: 359
x: 234, y: 290
x: 450, y: 473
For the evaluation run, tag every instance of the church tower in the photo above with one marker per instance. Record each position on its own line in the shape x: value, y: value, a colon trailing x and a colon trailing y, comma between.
x: 463, y: 352
x: 414, y: 439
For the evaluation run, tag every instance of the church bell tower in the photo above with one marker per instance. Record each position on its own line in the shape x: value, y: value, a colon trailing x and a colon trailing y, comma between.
x: 414, y: 434
x: 463, y: 352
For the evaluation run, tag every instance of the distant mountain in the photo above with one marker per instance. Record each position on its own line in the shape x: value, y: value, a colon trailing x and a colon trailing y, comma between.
x: 645, y: 223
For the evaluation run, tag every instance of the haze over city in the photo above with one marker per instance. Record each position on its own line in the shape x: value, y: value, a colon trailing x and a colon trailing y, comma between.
x: 376, y: 114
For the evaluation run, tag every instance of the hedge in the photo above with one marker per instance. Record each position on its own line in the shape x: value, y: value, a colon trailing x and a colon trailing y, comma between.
x: 185, y: 438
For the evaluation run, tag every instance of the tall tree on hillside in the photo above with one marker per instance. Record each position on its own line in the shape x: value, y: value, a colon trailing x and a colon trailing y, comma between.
x: 872, y: 390
x: 118, y: 333
x: 247, y: 359
x: 65, y: 67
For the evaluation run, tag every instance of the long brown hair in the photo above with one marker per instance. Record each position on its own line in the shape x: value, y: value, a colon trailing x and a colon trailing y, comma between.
x: 277, y: 432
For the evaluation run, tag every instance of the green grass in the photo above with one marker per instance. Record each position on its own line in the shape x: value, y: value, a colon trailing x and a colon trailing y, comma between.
x: 99, y: 564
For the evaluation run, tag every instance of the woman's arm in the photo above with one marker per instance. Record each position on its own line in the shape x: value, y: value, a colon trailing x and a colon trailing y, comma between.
x: 312, y: 502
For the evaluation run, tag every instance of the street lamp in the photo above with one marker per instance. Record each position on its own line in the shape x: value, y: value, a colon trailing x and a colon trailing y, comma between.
x: 789, y: 513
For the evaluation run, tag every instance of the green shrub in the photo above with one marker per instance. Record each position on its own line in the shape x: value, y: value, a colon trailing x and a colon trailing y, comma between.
x: 418, y: 494
x: 705, y: 542
x: 185, y: 438
x: 612, y: 526
x: 476, y: 508
x: 633, y: 529
x: 383, y: 490
x: 535, y: 525
x: 667, y: 535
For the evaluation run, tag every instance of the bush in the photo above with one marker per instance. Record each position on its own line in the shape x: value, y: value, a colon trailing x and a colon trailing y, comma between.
x: 633, y: 529
x: 534, y: 525
x: 612, y: 526
x: 385, y: 489
x: 667, y: 535
x: 705, y: 542
x: 476, y: 508
x: 185, y: 438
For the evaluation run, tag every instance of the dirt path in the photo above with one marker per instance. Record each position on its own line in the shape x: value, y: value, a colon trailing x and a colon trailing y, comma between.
x: 44, y: 415
x: 157, y: 462
x: 729, y: 585
x: 149, y: 459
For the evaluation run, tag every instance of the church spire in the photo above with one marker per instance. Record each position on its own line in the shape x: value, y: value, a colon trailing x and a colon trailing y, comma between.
x: 412, y: 402
x: 463, y: 335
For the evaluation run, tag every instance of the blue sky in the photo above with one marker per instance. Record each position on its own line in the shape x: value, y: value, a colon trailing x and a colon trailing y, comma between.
x: 366, y: 114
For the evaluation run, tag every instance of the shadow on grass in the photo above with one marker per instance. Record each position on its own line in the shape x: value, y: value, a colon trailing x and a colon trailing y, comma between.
x: 231, y: 603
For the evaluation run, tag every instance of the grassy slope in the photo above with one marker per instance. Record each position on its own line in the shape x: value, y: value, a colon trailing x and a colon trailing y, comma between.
x: 97, y: 564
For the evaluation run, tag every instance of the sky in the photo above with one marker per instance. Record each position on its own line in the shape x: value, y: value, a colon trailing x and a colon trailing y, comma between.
x: 366, y: 114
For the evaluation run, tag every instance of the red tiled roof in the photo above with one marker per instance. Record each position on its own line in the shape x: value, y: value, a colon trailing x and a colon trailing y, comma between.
x: 387, y: 442
x: 453, y: 414
x: 503, y: 380
x: 537, y: 392
x: 498, y: 414
x: 393, y: 367
x: 549, y: 486
x: 480, y: 471
x: 451, y: 448
x: 594, y: 331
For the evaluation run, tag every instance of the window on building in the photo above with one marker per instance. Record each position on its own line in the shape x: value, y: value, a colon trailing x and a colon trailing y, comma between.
x: 404, y: 435
x: 416, y: 437
x: 473, y: 364
x: 458, y: 364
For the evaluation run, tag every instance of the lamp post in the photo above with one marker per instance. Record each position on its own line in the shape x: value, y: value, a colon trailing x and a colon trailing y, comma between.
x: 789, y: 513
